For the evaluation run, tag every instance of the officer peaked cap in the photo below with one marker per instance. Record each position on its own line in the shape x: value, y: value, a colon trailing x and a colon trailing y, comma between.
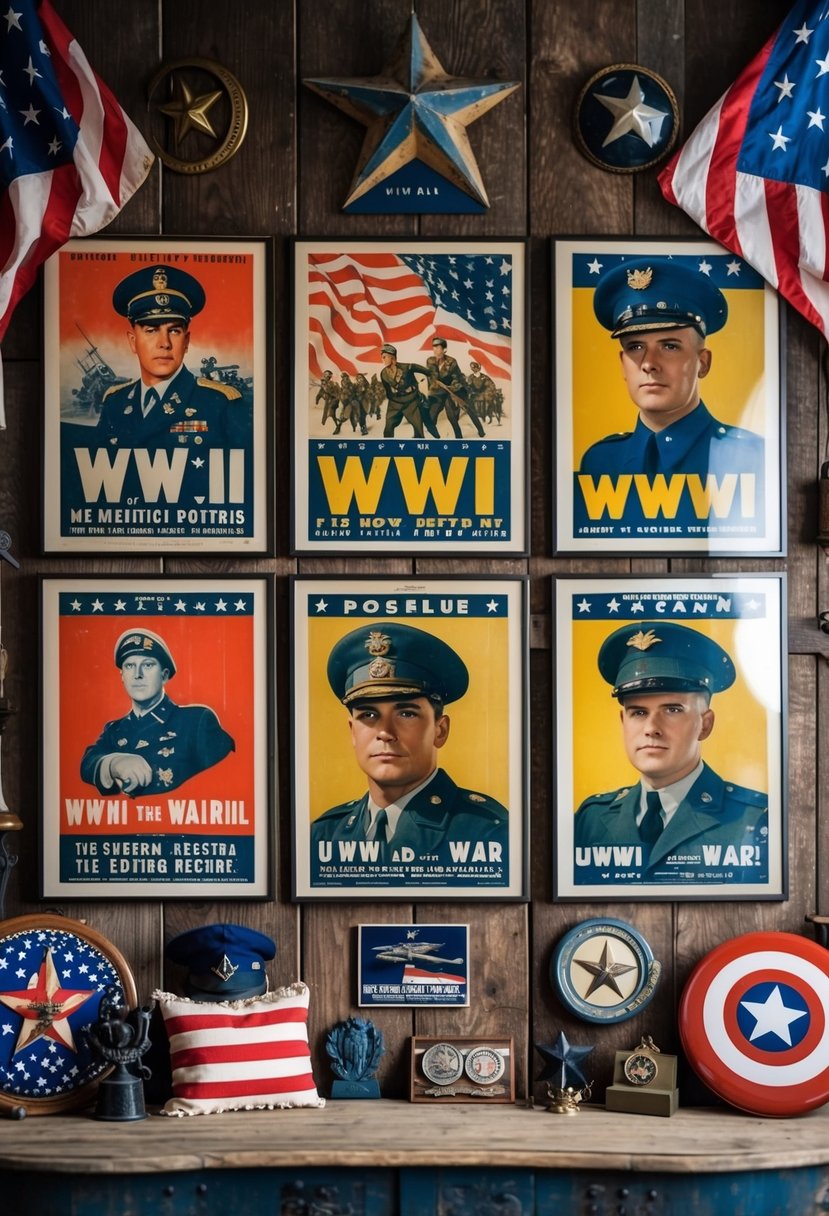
x: 384, y: 659
x: 388, y: 349
x: 157, y: 294
x: 658, y: 293
x: 661, y: 656
x: 224, y: 962
x: 146, y: 643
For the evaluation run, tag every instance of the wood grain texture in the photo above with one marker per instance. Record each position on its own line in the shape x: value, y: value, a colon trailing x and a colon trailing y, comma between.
x: 290, y: 178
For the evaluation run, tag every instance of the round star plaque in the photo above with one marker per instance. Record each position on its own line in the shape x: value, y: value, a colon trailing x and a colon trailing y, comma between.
x: 626, y: 119
x: 754, y: 1023
x: 54, y: 975
x: 604, y: 971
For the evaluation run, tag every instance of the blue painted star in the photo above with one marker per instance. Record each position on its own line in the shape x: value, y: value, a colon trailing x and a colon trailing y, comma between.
x: 563, y: 1062
x: 414, y: 111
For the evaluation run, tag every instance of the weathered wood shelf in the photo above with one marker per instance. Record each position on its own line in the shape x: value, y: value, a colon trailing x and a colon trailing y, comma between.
x: 389, y: 1134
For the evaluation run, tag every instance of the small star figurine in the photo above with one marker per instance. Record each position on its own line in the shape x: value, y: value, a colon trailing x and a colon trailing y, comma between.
x: 563, y: 1062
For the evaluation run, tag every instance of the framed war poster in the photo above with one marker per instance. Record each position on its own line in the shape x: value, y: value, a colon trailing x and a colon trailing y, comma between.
x: 410, y: 390
x: 409, y: 760
x: 157, y: 358
x: 668, y: 400
x: 156, y: 737
x: 669, y: 737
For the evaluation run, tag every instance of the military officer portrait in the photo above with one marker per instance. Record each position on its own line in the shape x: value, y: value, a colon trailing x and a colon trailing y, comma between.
x: 663, y: 676
x: 395, y: 681
x: 662, y: 313
x: 166, y: 405
x: 157, y: 745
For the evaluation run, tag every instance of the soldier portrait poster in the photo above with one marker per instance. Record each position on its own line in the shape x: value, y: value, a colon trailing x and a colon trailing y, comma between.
x: 675, y: 684
x: 717, y: 486
x: 156, y: 396
x: 156, y: 738
x: 415, y: 689
x: 410, y: 396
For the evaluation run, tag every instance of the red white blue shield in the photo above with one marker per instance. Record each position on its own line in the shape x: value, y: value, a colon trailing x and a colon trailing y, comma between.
x: 754, y: 1023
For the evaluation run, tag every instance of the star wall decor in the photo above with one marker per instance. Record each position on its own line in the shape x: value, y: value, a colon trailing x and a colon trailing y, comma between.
x: 416, y: 156
x: 626, y: 118
x: 563, y: 1062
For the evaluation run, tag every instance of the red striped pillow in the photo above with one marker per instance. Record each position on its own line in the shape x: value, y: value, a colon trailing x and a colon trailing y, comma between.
x: 239, y: 1055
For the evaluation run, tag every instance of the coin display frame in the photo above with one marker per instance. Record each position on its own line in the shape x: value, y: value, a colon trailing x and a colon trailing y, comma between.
x: 469, y: 1085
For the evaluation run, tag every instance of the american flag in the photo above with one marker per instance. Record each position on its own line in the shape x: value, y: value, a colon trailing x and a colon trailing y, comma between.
x: 358, y: 301
x: 69, y: 156
x: 754, y: 174
x: 232, y: 1055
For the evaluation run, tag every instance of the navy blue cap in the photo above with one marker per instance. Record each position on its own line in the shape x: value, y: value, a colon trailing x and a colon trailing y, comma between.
x: 386, y: 659
x: 658, y: 293
x: 146, y: 643
x: 224, y: 962
x: 157, y: 294
x: 661, y: 656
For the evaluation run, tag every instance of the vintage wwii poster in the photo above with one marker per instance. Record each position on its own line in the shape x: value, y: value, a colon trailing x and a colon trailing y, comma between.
x: 413, y: 965
x: 156, y: 738
x: 667, y: 400
x: 410, y: 396
x: 409, y: 763
x: 156, y: 414
x: 669, y: 737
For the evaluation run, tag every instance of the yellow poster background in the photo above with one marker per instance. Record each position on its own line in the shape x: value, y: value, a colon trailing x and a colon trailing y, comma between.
x: 477, y: 752
x: 737, y: 749
x: 733, y: 390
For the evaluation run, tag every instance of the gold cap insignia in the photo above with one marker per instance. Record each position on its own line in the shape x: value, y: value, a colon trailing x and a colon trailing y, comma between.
x: 477, y: 798
x: 159, y: 279
x: 377, y: 642
x: 380, y: 669
x: 643, y: 641
x: 640, y: 279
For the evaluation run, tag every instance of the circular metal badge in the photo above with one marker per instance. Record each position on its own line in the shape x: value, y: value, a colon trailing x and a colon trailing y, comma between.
x: 754, y: 1023
x: 640, y: 1069
x: 55, y: 973
x: 485, y: 1065
x: 442, y: 1064
x: 626, y: 118
x: 604, y: 970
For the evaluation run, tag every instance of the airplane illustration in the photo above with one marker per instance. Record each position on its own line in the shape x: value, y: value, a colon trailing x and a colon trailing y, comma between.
x: 407, y: 952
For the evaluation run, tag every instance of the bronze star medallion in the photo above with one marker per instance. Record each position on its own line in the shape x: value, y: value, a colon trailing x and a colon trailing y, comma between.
x: 206, y: 109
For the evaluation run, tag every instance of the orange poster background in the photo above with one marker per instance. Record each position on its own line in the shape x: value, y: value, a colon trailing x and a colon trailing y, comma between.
x: 214, y: 666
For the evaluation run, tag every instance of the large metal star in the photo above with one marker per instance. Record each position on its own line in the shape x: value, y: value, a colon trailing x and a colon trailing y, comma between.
x: 604, y: 971
x: 188, y: 112
x: 44, y: 1007
x: 630, y: 114
x: 414, y: 111
x: 563, y: 1062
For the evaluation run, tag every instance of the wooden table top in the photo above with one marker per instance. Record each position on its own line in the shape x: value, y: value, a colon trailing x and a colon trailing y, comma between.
x: 388, y: 1133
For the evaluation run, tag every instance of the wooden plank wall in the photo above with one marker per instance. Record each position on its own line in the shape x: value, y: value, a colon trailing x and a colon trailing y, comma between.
x: 290, y: 178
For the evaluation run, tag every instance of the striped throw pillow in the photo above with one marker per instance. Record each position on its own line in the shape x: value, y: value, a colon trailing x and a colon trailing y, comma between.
x: 239, y: 1055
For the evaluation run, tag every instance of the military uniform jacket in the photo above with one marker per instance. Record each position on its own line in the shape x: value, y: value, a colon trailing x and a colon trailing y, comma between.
x: 697, y: 443
x: 193, y: 412
x: 400, y: 385
x: 713, y: 812
x: 440, y: 812
x: 177, y: 741
x: 445, y: 374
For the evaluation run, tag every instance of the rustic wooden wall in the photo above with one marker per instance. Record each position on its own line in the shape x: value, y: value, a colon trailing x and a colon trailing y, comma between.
x: 289, y: 178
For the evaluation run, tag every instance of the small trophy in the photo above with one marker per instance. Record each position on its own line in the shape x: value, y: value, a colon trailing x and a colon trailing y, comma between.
x: 563, y: 1068
x: 121, y: 1038
x: 355, y: 1048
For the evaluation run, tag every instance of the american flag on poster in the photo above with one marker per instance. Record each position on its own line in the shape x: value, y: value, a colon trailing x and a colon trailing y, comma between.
x: 755, y: 172
x: 358, y: 301
x: 69, y: 156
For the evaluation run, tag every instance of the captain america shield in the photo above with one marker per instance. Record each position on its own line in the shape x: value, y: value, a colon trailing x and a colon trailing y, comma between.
x: 754, y: 1023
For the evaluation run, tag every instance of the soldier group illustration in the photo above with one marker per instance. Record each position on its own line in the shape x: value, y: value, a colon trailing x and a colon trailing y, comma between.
x: 356, y: 400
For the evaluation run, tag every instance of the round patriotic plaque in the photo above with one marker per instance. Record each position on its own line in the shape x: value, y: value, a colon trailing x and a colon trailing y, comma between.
x: 754, y: 1023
